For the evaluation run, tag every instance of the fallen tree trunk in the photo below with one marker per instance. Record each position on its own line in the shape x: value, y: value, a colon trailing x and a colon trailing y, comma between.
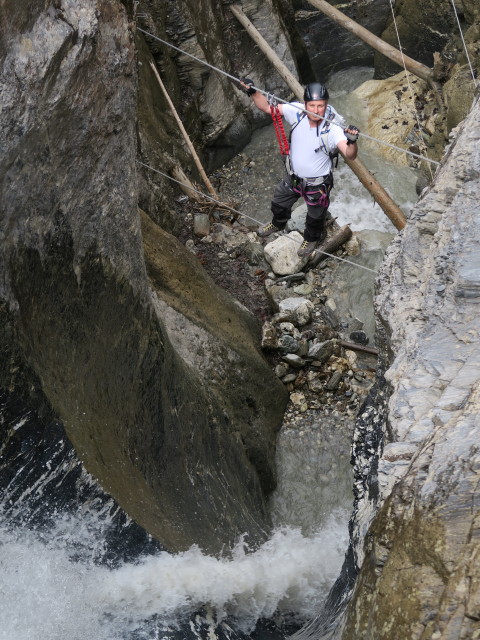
x: 329, y: 246
x: 417, y: 68
x: 370, y: 183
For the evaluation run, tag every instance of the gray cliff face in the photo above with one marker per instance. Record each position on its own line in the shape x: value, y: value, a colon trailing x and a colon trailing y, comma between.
x: 428, y: 32
x: 330, y: 46
x: 217, y: 114
x: 423, y: 28
x: 418, y: 527
x: 92, y: 293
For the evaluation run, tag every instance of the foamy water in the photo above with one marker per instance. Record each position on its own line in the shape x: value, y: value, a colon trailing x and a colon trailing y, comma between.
x: 352, y: 204
x: 53, y: 589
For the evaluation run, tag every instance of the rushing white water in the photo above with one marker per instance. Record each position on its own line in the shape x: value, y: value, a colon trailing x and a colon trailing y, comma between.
x: 52, y: 589
x: 351, y: 203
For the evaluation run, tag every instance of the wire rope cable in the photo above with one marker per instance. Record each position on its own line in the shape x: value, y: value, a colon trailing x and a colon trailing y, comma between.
x: 412, y: 95
x: 244, y: 215
x: 475, y: 83
x: 270, y: 95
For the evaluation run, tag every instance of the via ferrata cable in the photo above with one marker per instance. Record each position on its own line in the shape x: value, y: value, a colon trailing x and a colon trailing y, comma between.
x: 237, y: 81
x: 244, y: 215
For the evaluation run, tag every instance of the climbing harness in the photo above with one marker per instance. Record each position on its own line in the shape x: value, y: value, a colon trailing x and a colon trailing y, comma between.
x: 244, y: 215
x: 316, y: 193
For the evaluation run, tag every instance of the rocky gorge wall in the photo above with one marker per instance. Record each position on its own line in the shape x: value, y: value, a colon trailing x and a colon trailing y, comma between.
x: 100, y: 305
x: 416, y: 524
x: 173, y: 424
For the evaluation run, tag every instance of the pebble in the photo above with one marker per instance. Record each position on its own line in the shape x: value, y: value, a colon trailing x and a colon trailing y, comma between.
x: 281, y: 370
x: 303, y: 289
x: 201, y: 225
x: 334, y: 381
x: 294, y: 360
x: 288, y: 344
x: 322, y: 351
x: 190, y: 245
x: 359, y: 337
x: 287, y: 327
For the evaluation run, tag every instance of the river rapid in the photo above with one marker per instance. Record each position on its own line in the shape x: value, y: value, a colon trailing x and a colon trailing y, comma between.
x: 51, y: 583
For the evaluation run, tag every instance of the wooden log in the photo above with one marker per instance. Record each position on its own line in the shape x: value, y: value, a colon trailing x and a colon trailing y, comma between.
x: 368, y: 180
x: 190, y: 146
x: 185, y: 184
x: 281, y: 68
x: 417, y: 68
x: 353, y: 346
x: 330, y: 245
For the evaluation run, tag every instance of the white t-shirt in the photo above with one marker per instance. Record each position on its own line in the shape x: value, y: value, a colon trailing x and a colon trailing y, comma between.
x: 308, y: 152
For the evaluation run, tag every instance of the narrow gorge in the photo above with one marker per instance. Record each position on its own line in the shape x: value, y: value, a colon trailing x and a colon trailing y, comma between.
x: 140, y: 415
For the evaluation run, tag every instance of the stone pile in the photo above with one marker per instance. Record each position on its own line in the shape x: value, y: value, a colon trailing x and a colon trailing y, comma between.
x: 304, y: 336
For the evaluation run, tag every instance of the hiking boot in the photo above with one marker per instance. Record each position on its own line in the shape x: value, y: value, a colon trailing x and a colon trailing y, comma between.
x: 266, y: 230
x: 307, y: 248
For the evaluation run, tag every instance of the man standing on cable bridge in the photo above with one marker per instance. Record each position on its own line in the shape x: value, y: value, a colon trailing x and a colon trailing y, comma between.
x: 314, y: 138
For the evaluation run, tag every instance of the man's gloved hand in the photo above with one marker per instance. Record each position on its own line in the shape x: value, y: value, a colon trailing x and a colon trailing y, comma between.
x: 246, y: 84
x: 351, y: 133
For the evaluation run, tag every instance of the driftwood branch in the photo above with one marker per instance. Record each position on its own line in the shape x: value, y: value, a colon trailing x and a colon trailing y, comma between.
x: 353, y: 346
x: 370, y: 183
x: 186, y: 185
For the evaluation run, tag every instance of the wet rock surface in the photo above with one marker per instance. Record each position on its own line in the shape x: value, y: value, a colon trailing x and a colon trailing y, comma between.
x: 330, y: 46
x: 82, y: 254
x: 423, y: 28
x: 424, y: 537
x: 81, y: 314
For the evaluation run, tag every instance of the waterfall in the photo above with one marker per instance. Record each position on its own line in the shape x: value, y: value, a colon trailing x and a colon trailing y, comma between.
x: 52, y: 586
